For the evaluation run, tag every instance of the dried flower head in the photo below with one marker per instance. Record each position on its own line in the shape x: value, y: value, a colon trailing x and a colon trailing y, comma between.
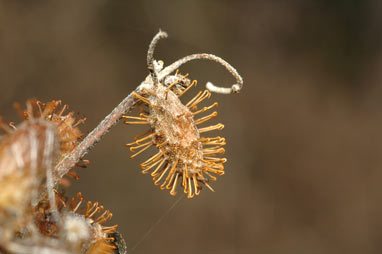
x: 65, y: 123
x: 83, y: 228
x: 184, y: 156
x: 95, y: 216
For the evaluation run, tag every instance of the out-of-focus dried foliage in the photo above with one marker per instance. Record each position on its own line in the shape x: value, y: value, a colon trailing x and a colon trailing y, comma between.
x: 31, y: 220
x: 304, y: 170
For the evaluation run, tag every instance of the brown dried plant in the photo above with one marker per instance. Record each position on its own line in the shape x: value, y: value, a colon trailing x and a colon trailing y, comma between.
x: 173, y: 130
x: 37, y: 155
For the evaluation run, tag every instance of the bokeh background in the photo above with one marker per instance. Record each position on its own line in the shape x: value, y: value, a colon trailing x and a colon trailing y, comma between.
x: 304, y: 136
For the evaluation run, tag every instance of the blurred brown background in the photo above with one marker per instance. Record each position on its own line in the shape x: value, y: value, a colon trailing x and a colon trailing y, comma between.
x: 304, y: 136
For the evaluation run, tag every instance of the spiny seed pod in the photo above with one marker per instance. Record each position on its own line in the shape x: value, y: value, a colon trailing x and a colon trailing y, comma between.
x: 184, y: 156
x: 82, y: 228
x: 66, y: 124
x: 65, y: 127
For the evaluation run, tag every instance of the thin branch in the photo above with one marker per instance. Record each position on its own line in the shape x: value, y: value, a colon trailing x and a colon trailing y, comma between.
x: 94, y: 137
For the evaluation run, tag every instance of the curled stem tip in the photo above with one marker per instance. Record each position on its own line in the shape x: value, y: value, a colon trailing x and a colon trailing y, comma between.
x: 150, y: 54
x: 223, y: 90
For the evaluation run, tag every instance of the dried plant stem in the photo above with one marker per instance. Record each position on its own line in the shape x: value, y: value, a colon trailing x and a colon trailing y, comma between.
x: 156, y: 75
x: 94, y: 137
